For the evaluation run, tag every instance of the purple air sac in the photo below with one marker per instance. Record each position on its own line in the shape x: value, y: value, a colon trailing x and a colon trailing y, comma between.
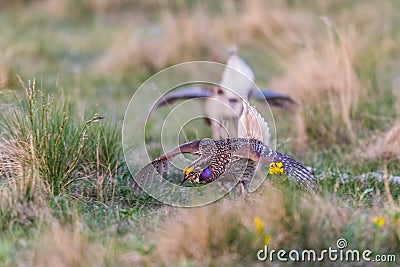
x: 205, y: 174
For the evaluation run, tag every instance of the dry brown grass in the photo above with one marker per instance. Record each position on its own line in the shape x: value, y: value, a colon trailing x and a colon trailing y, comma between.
x: 179, y: 37
x: 317, y: 62
x: 386, y: 145
x: 63, y: 245
x: 186, y: 34
x: 22, y: 194
x: 323, y: 73
x: 224, y: 232
x: 274, y: 25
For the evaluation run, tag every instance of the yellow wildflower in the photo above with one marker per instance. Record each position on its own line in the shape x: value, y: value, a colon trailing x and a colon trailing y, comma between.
x: 275, y: 168
x: 258, y: 225
x: 267, y: 239
x: 379, y: 221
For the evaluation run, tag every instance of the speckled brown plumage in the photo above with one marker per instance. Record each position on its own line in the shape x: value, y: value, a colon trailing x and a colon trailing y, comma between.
x: 224, y: 155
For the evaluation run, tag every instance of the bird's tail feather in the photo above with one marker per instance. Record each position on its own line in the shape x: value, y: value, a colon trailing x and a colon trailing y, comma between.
x: 297, y: 171
x: 252, y: 125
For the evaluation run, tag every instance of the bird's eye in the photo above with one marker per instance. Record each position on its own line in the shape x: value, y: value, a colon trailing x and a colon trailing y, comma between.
x: 220, y: 92
x: 233, y: 100
x: 205, y: 174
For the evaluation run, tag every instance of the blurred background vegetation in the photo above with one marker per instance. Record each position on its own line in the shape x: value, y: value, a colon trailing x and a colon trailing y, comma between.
x: 66, y: 196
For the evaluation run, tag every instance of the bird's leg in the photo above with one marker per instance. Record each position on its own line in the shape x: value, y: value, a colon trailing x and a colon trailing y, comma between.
x: 235, y: 123
x: 216, y: 130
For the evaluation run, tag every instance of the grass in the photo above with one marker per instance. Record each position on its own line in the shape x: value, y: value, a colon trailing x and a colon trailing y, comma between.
x: 66, y: 195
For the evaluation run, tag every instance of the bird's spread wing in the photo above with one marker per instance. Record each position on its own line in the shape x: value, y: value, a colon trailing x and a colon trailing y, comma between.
x: 277, y: 162
x: 274, y: 98
x: 252, y: 126
x: 190, y: 147
x: 187, y: 92
x: 144, y: 177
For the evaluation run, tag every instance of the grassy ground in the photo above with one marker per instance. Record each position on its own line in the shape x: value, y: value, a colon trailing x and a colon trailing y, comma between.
x: 66, y: 195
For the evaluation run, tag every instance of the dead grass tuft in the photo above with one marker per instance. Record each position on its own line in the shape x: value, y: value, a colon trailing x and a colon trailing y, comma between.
x: 318, y: 66
x: 273, y: 22
x: 386, y: 144
x: 231, y: 230
x: 322, y: 76
x: 179, y: 37
x: 22, y: 195
x: 203, y: 237
x: 198, y: 32
x: 226, y: 230
x: 63, y: 245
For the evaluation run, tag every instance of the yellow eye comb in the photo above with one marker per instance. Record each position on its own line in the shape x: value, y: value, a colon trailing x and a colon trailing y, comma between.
x: 187, y: 170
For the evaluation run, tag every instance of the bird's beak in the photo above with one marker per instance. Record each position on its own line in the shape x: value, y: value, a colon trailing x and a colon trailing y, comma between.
x: 183, y: 180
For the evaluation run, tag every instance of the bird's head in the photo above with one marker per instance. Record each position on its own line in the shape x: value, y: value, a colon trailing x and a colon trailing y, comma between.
x: 232, y: 50
x: 230, y: 102
x: 199, y: 171
x: 196, y: 174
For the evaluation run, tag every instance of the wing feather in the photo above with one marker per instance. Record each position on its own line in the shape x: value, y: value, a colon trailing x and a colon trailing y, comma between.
x: 144, y: 177
x: 273, y: 98
x: 187, y: 92
x: 252, y: 125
